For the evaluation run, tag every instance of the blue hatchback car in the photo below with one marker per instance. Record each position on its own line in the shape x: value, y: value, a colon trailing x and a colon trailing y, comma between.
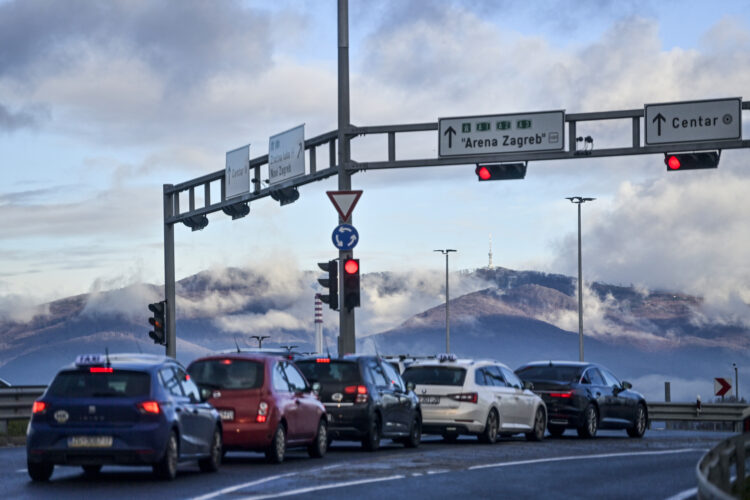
x: 122, y: 409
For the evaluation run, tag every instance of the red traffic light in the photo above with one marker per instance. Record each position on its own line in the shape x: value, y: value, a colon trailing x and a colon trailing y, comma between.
x: 673, y: 162
x: 351, y: 266
x: 500, y: 171
x: 691, y: 161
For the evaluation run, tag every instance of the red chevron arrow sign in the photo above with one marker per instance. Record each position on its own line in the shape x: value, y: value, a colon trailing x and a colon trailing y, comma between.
x: 721, y: 386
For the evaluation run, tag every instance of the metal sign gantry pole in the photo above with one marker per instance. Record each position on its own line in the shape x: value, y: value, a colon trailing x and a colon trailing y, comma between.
x: 346, y: 343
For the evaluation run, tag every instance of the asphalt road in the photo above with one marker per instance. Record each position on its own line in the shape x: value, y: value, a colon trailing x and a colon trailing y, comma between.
x: 659, y: 466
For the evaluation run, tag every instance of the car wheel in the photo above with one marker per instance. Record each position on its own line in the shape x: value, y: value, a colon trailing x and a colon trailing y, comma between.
x: 40, y: 471
x: 450, y: 437
x: 556, y: 430
x: 371, y: 442
x: 590, y: 423
x: 489, y: 435
x: 212, y: 462
x: 318, y: 447
x: 540, y: 422
x: 166, y: 468
x: 91, y: 470
x: 639, y: 426
x: 276, y: 451
x: 415, y: 434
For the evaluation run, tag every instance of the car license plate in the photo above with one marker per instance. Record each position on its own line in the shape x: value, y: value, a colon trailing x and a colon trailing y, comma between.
x: 226, y: 414
x: 90, y: 442
x: 429, y: 400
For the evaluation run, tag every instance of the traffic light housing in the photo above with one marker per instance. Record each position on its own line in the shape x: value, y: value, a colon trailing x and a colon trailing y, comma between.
x: 691, y: 161
x: 158, y: 322
x: 351, y: 283
x: 331, y: 282
x: 285, y: 196
x: 500, y: 171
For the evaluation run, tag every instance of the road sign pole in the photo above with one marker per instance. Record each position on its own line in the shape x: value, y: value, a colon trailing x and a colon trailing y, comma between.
x: 346, y: 316
x: 169, y: 284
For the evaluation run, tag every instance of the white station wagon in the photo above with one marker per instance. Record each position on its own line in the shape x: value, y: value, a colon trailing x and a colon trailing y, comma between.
x: 479, y: 397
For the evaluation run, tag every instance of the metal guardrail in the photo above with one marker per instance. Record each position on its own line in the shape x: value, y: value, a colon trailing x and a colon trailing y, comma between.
x: 711, y: 412
x: 15, y: 403
x: 714, y: 470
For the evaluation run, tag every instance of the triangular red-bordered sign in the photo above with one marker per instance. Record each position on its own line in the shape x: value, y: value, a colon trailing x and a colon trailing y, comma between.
x: 344, y: 202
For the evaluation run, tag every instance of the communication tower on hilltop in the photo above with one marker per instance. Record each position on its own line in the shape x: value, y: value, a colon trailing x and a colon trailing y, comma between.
x: 490, y: 254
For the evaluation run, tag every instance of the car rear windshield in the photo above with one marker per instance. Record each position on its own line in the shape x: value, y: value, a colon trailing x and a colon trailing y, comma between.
x: 330, y: 371
x: 114, y: 384
x: 434, y: 375
x: 227, y: 373
x: 557, y: 373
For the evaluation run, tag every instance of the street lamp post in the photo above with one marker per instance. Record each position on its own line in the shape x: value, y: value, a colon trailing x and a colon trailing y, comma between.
x: 579, y: 200
x: 736, y: 385
x: 447, y: 300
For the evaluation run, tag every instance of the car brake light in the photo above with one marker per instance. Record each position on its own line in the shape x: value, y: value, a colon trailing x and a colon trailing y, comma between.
x: 100, y: 369
x: 359, y: 390
x: 465, y: 397
x: 226, y: 361
x: 262, y: 415
x: 323, y: 360
x: 38, y: 407
x: 564, y: 395
x: 149, y: 407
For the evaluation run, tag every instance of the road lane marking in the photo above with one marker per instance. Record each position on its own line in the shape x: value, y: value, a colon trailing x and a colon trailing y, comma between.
x: 231, y: 489
x: 584, y: 457
x: 684, y: 495
x: 311, y: 489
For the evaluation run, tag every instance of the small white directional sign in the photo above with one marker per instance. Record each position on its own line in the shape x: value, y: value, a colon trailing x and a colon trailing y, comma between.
x: 690, y: 121
x: 480, y: 135
x: 286, y: 155
x: 237, y: 172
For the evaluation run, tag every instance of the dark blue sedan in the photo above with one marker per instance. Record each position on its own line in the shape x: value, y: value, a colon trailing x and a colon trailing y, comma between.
x: 122, y: 409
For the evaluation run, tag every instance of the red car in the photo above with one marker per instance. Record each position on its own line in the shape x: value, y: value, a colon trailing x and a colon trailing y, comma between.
x: 265, y: 403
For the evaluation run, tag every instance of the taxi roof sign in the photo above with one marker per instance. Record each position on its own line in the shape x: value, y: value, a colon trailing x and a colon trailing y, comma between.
x: 90, y: 359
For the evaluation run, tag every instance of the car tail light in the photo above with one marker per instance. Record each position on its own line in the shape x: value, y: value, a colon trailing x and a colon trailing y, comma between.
x: 262, y: 415
x: 564, y: 395
x: 359, y: 390
x: 323, y: 360
x: 151, y: 407
x: 38, y: 407
x: 100, y: 369
x: 226, y: 361
x: 465, y: 397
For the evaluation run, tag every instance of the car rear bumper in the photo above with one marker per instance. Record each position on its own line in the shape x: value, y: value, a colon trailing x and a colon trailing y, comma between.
x: 462, y: 420
x: 348, y: 422
x: 248, y: 435
x: 141, y: 444
x: 563, y: 415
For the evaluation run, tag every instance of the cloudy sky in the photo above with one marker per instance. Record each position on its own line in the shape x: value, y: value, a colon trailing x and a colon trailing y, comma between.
x: 101, y: 103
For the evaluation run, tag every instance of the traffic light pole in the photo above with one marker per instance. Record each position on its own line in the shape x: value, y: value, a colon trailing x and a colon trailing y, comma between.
x: 169, y: 284
x: 346, y: 343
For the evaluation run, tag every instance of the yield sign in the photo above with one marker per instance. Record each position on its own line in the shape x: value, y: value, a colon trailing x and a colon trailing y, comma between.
x: 344, y: 202
x: 721, y: 386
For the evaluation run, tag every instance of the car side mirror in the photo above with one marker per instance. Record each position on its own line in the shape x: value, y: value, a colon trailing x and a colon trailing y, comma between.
x: 626, y: 385
x: 316, y: 388
x: 410, y: 386
x: 529, y: 386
